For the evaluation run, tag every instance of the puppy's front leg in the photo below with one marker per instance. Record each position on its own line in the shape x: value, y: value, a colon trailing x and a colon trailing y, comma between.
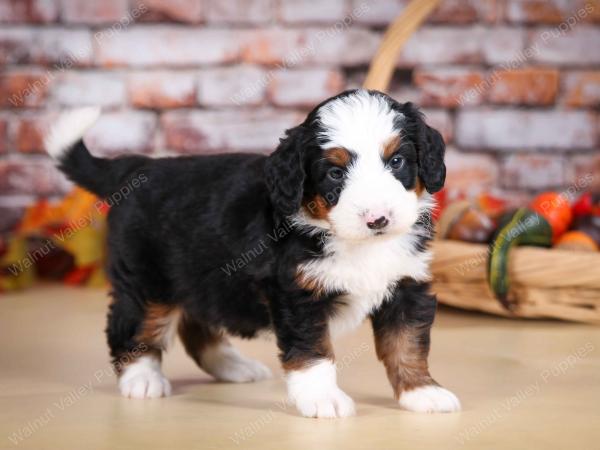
x: 402, y: 327
x: 307, y: 358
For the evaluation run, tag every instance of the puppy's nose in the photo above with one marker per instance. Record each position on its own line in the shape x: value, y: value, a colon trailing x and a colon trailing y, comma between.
x: 379, y: 223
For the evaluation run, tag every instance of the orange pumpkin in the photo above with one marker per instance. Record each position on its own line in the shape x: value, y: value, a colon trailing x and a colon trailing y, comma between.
x: 576, y: 240
x: 555, y: 208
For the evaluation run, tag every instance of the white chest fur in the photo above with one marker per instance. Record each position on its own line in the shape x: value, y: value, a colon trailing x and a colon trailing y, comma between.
x: 366, y: 272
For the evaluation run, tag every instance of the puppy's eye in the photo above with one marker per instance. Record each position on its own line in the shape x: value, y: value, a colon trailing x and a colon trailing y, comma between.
x: 396, y: 163
x: 335, y: 173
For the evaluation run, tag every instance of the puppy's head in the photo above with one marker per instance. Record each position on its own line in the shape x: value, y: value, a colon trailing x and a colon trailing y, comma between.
x: 357, y: 166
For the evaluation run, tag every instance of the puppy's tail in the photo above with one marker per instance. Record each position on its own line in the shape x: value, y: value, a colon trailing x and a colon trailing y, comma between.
x: 64, y: 143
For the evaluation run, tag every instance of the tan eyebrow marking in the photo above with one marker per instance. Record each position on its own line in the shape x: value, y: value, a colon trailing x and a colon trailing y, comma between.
x: 390, y: 147
x: 338, y: 156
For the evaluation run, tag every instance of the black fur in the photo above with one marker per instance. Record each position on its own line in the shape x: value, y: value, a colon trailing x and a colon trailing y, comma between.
x: 429, y: 144
x: 84, y: 169
x: 208, y: 233
x: 285, y: 173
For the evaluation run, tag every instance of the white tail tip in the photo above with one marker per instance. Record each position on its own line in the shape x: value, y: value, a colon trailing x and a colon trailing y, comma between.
x: 70, y: 128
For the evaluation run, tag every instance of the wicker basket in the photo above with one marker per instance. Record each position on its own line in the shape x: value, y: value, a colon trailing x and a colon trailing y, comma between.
x: 546, y: 283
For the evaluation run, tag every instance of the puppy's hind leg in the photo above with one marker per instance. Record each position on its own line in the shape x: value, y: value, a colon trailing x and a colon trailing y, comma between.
x: 214, y: 354
x: 137, y: 334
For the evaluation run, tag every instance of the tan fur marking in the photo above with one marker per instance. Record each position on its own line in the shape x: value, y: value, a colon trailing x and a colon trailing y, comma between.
x: 338, y: 156
x: 419, y: 187
x: 159, y: 322
x: 309, y: 284
x: 390, y: 147
x: 405, y: 359
x: 317, y: 207
x: 196, y: 337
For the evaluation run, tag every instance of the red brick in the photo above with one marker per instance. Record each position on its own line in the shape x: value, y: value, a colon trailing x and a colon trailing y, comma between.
x: 227, y: 130
x: 123, y: 132
x: 307, y: 87
x: 441, y: 121
x: 31, y: 176
x: 377, y: 12
x: 575, y: 47
x: 443, y: 45
x: 93, y: 12
x: 454, y: 11
x: 469, y: 174
x: 115, y: 133
x: 276, y: 46
x: 583, y: 172
x: 294, y: 47
x: 22, y: 88
x: 341, y: 44
x: 519, y: 129
x: 312, y: 11
x: 62, y: 48
x: 162, y: 89
x: 505, y: 47
x: 532, y: 86
x: 551, y: 11
x: 229, y: 86
x: 32, y: 11
x: 16, y: 45
x: 533, y: 171
x: 240, y: 11
x: 168, y: 45
x: 28, y: 131
x: 449, y: 87
x: 88, y: 88
x: 190, y: 11
x: 3, y: 135
x: 582, y: 88
x: 467, y: 11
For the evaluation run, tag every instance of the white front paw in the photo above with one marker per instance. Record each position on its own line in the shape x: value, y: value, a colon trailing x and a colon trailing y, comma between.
x: 332, y: 404
x: 150, y: 385
x: 143, y: 379
x: 429, y: 399
x: 315, y: 393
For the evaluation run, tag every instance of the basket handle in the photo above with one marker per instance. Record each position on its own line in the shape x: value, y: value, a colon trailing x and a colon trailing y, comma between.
x: 384, y: 62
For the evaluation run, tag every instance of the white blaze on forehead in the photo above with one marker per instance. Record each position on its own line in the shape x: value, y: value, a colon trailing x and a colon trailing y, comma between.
x: 360, y: 122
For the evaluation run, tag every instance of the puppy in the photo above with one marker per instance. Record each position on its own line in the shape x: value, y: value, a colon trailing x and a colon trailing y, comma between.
x: 329, y: 230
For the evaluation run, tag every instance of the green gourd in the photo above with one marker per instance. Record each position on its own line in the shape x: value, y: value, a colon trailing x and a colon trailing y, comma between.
x: 521, y: 227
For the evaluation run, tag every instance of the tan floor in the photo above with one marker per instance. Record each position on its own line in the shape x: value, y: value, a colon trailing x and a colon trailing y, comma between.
x: 524, y: 385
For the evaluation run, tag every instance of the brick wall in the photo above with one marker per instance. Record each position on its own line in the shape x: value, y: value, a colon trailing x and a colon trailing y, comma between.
x: 513, y: 84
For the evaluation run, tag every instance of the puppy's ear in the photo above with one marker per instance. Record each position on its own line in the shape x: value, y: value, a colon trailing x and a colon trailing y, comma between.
x: 430, y: 149
x: 285, y: 174
x: 432, y: 169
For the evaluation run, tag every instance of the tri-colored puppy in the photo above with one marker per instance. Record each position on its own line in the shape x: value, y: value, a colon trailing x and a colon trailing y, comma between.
x: 329, y: 230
